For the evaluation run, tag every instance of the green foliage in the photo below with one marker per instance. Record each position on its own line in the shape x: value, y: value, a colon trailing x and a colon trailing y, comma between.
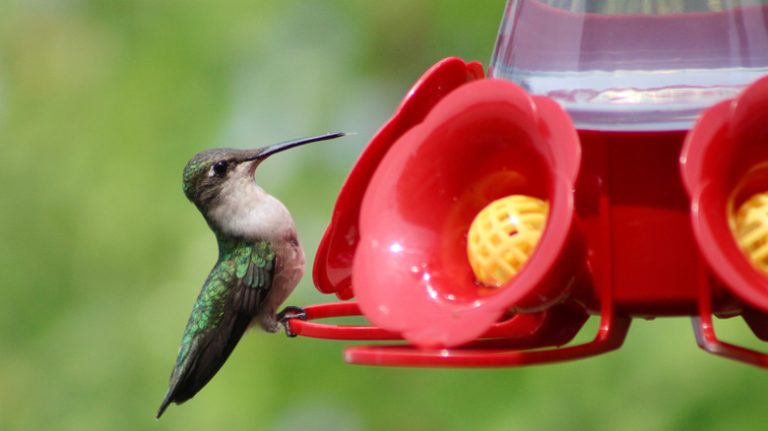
x: 101, y: 256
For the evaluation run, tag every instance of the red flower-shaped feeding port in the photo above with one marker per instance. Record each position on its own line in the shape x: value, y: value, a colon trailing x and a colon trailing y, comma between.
x: 723, y: 163
x: 485, y: 140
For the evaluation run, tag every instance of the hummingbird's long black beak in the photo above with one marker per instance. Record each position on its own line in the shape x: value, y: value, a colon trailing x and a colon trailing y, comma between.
x: 263, y: 153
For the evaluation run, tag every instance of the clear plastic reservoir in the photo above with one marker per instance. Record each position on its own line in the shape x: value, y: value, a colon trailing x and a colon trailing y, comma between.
x: 633, y: 65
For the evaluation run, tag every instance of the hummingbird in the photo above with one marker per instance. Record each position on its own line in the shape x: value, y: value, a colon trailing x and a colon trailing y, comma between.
x: 260, y: 262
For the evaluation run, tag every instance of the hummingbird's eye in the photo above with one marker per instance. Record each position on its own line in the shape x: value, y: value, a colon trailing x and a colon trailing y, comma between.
x: 220, y: 168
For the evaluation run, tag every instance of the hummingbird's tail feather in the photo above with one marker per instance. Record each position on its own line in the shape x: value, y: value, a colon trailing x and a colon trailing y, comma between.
x: 205, y: 358
x: 164, y: 405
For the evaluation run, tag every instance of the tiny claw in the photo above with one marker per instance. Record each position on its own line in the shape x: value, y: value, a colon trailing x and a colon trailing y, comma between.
x: 288, y: 313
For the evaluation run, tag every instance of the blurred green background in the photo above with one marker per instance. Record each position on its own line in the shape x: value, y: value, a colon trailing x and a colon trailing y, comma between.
x: 101, y: 257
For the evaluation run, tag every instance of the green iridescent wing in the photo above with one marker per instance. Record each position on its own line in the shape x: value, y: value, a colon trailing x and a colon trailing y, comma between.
x: 227, y: 303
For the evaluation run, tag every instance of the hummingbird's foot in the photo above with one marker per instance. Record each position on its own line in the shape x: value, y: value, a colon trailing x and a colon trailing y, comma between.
x: 288, y: 313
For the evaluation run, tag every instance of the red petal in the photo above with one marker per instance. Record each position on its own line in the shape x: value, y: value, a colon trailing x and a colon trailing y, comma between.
x: 333, y: 261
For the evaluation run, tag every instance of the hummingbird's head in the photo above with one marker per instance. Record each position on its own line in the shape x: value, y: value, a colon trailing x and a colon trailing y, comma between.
x: 212, y: 172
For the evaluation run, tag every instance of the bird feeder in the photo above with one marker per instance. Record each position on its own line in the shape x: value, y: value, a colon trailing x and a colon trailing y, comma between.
x: 615, y: 165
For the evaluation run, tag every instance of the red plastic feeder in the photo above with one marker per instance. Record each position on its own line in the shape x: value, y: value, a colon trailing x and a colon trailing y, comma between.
x: 639, y: 222
x: 427, y: 295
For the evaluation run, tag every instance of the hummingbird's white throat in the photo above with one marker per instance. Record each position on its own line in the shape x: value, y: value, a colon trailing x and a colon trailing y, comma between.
x: 242, y: 209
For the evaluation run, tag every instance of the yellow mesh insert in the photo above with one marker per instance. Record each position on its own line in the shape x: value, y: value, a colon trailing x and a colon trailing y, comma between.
x: 503, y: 235
x: 750, y: 226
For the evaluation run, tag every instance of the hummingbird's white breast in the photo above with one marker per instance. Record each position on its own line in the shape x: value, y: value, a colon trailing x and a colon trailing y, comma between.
x: 243, y: 209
